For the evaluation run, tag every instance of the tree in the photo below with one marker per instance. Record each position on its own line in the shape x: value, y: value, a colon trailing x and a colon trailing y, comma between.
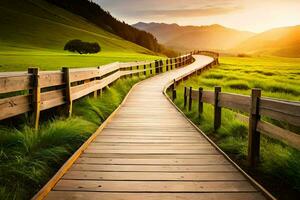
x: 82, y: 47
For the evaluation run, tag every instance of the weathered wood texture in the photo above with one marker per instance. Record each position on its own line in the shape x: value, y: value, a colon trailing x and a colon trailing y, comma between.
x: 76, y: 83
x: 150, y: 151
x: 255, y: 106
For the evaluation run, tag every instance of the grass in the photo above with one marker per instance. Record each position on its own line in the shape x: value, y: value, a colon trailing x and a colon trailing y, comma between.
x: 55, y: 61
x: 277, y: 77
x: 279, y: 168
x: 33, y: 33
x: 28, y: 158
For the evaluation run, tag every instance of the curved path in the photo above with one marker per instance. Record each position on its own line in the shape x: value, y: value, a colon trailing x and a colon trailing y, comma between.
x: 150, y: 151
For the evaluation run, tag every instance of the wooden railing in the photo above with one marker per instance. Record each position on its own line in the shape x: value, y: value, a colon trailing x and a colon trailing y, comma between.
x: 256, y: 107
x: 35, y: 91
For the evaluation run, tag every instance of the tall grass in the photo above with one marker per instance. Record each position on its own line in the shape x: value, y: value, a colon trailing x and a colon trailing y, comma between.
x: 279, y: 168
x: 28, y: 158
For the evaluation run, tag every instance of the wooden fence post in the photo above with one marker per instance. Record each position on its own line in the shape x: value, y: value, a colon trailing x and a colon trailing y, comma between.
x: 161, y: 66
x: 67, y: 80
x: 156, y: 67
x: 95, y: 93
x: 218, y: 110
x: 185, y: 97
x: 151, y: 72
x: 131, y: 72
x: 145, y: 72
x: 167, y: 65
x: 36, y: 97
x: 200, y: 102
x: 98, y: 78
x: 171, y: 63
x: 174, y: 94
x: 254, y: 135
x: 190, y: 99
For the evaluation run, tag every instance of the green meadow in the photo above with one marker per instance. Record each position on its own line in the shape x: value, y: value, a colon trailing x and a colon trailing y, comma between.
x: 279, y: 78
x: 16, y: 61
x: 33, y: 34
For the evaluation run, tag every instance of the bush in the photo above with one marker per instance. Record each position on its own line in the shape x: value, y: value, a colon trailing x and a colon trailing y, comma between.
x: 82, y: 47
x: 243, y: 55
x: 238, y: 85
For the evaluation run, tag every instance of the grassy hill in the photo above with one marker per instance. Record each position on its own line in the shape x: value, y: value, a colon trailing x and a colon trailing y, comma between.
x: 213, y: 37
x: 34, y: 32
x: 283, y: 41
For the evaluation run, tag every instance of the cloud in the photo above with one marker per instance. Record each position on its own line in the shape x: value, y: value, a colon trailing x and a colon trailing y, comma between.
x: 199, y: 12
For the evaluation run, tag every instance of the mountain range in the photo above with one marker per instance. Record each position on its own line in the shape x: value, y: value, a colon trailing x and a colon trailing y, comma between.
x: 284, y: 41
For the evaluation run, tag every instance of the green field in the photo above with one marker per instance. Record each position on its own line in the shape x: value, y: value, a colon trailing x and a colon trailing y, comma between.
x: 279, y: 78
x: 33, y: 33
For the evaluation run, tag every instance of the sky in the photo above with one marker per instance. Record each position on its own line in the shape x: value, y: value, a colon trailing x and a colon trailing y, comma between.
x: 248, y: 15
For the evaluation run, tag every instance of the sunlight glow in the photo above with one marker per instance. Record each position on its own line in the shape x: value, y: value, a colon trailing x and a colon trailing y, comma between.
x: 254, y: 15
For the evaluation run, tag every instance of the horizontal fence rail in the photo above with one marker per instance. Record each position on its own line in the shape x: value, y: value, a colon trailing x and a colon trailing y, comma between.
x: 256, y: 107
x: 35, y: 91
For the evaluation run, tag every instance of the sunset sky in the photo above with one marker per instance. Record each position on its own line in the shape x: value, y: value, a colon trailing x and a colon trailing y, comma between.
x: 250, y: 15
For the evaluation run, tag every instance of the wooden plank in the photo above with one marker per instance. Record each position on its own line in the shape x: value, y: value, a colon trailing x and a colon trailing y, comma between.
x: 208, y: 97
x: 155, y: 151
x: 14, y: 106
x: 14, y: 83
x: 179, y: 146
x: 50, y: 79
x: 52, y: 99
x: 151, y: 146
x: 157, y: 141
x: 154, y: 186
x: 200, y: 160
x: 292, y: 139
x: 195, y: 94
x: 153, y: 168
x: 281, y: 110
x: 70, y: 195
x: 145, y: 156
x: 161, y: 137
x: 87, y: 88
x: 84, y: 74
x: 153, y: 176
x: 234, y: 101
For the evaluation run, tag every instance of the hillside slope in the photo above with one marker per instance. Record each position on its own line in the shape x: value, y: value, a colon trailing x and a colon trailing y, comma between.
x: 213, y: 37
x: 283, y: 41
x: 34, y: 32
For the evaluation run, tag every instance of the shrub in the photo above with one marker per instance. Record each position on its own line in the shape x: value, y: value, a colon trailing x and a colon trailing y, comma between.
x: 82, y: 47
x: 214, y: 76
x: 243, y: 55
x: 239, y: 85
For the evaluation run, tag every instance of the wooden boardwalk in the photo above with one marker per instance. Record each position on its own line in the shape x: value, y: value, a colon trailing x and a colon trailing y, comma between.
x: 150, y: 151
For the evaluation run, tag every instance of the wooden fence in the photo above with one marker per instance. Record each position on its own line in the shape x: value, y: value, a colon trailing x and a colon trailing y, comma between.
x: 255, y: 106
x: 35, y: 91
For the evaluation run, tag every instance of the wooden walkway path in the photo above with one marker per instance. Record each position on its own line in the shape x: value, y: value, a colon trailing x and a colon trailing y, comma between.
x: 149, y: 151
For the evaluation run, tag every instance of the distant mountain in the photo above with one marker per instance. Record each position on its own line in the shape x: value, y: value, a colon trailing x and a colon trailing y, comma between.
x: 182, y: 38
x: 284, y: 41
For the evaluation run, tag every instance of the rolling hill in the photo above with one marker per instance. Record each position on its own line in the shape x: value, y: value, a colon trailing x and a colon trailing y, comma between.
x: 284, y: 41
x: 213, y: 37
x: 34, y: 32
